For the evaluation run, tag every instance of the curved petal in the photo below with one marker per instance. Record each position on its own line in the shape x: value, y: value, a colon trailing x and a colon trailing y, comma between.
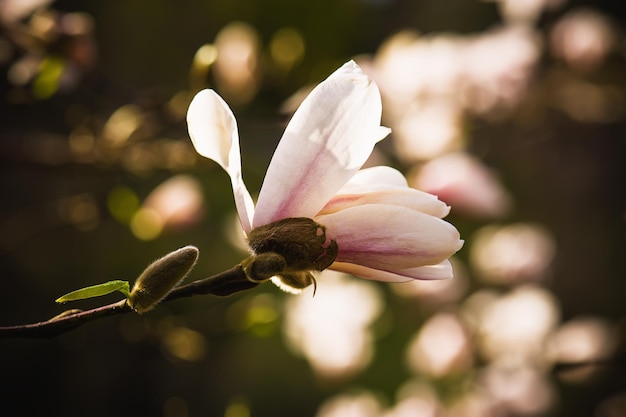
x: 382, y: 176
x: 390, y: 237
x: 368, y: 273
x: 384, y: 185
x: 213, y: 132
x: 328, y: 139
x: 403, y: 197
x: 442, y: 270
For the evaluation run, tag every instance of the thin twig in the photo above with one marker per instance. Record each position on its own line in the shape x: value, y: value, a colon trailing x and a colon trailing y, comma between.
x: 222, y: 284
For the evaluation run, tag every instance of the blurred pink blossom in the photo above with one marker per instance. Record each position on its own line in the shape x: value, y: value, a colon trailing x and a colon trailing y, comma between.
x: 465, y: 183
x: 583, y: 38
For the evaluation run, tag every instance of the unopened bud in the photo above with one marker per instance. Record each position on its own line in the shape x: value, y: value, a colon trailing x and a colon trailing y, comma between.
x: 158, y: 279
x: 261, y: 267
x: 300, y: 241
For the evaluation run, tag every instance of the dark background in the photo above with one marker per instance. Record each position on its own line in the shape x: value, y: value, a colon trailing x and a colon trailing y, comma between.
x: 565, y: 174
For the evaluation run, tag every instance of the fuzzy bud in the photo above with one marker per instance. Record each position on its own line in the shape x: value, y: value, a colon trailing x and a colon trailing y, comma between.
x: 261, y: 267
x: 158, y: 279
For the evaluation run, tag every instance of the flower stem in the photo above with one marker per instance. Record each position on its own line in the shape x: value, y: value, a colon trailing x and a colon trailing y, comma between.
x: 222, y: 284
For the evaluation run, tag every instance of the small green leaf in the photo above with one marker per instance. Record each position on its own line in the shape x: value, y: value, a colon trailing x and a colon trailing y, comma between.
x: 96, y: 291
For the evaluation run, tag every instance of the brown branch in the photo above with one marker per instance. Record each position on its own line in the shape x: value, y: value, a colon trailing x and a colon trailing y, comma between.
x: 222, y: 284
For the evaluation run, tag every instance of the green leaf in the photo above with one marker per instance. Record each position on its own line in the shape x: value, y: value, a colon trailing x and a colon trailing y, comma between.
x: 96, y: 291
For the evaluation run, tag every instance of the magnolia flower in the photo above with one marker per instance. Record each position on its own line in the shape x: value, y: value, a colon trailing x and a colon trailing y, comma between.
x: 370, y: 223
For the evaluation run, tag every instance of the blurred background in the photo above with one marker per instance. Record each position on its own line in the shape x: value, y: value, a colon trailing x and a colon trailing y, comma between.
x: 511, y: 111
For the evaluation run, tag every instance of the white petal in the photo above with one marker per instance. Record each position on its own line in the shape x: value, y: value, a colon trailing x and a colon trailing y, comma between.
x: 403, y: 197
x: 390, y: 237
x: 328, y: 139
x: 384, y: 185
x: 442, y: 270
x: 382, y: 176
x: 368, y: 273
x: 213, y: 131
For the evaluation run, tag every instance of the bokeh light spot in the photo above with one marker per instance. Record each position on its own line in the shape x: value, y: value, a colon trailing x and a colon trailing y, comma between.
x: 81, y: 142
x: 236, y: 67
x: 80, y: 211
x: 205, y: 56
x: 121, y: 124
x: 186, y: 344
x: 287, y: 48
x: 122, y: 203
x: 238, y: 407
x: 47, y: 81
x: 178, y: 201
x: 146, y: 224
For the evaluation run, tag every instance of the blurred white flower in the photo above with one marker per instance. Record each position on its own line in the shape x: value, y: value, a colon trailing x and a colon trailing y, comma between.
x: 513, y: 328
x: 583, y: 341
x: 426, y: 131
x: 486, y: 74
x: 441, y: 348
x: 416, y: 398
x: 409, y: 68
x: 362, y: 404
x: 518, y: 391
x: 511, y: 254
x: 333, y: 329
x: 497, y: 69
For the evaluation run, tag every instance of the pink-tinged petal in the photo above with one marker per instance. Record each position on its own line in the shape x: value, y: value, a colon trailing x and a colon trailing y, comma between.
x: 390, y: 237
x: 380, y: 176
x: 328, y: 139
x: 384, y: 185
x: 403, y: 197
x: 442, y: 270
x: 213, y: 131
x: 368, y: 273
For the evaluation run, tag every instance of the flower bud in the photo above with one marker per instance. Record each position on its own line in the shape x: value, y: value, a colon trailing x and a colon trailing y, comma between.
x: 300, y: 241
x: 261, y: 267
x: 158, y: 279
